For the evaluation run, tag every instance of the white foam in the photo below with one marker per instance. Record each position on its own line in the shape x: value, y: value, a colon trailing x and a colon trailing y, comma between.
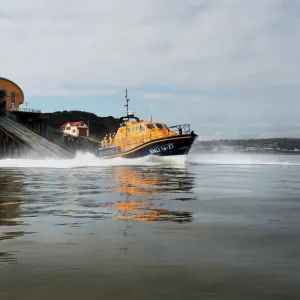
x: 90, y: 160
x: 243, y: 159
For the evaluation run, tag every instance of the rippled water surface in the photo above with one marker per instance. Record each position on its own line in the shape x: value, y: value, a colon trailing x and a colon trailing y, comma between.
x: 215, y: 227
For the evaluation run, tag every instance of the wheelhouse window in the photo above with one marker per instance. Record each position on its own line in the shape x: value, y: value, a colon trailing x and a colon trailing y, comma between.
x: 160, y: 126
x: 133, y: 129
x: 150, y: 126
x: 128, y: 129
x: 166, y: 126
x: 142, y: 128
x: 137, y: 127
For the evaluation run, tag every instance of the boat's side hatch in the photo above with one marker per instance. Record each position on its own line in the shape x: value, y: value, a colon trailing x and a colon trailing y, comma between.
x: 108, y: 151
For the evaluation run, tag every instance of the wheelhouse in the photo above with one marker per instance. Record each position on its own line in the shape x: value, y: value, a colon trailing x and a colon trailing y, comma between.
x: 132, y: 133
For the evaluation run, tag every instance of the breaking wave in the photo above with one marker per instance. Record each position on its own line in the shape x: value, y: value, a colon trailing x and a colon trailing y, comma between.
x: 90, y: 160
x: 243, y: 159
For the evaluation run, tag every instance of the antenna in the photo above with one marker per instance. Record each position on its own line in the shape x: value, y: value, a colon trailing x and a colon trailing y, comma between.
x: 127, y: 100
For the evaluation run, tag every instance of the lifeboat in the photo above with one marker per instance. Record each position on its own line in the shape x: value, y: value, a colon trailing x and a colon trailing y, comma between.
x: 138, y: 138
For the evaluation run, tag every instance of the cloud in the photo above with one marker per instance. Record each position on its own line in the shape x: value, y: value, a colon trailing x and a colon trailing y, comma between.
x: 208, y: 44
x: 159, y: 96
x: 74, y: 92
x: 249, y: 48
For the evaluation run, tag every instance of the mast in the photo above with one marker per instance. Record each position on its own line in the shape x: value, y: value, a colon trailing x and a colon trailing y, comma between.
x: 126, y: 105
x: 127, y: 100
x: 128, y: 113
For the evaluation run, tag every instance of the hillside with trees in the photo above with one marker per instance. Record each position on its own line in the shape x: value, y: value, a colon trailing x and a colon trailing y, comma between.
x: 99, y: 126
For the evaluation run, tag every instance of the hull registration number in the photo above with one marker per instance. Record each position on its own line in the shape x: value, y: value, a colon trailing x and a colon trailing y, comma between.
x: 161, y: 148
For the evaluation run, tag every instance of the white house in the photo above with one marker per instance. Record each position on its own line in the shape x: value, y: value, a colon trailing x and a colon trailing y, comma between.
x: 78, y: 128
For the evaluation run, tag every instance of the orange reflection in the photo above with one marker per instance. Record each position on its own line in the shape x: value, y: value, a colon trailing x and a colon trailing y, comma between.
x: 135, y: 181
x: 138, y: 211
x: 142, y: 211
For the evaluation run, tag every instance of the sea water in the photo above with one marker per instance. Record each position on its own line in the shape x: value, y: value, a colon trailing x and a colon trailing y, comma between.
x: 205, y: 226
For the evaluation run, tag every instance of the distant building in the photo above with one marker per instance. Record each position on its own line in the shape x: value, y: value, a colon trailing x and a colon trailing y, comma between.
x: 78, y: 128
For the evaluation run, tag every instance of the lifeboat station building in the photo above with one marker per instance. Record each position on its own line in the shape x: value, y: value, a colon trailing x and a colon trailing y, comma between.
x: 11, y: 102
x: 11, y: 96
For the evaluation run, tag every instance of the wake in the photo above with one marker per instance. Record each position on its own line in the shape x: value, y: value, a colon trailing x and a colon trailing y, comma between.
x: 90, y: 160
x: 243, y: 159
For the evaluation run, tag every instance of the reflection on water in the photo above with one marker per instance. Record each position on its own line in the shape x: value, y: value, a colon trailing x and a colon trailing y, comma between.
x: 135, y: 181
x: 30, y: 198
x: 141, y: 211
x: 10, y: 192
x: 144, y: 181
x: 11, y: 235
x: 7, y: 257
x: 192, y: 232
x: 135, y: 193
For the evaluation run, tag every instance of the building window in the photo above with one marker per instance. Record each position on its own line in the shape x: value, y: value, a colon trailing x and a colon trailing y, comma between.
x: 68, y: 128
x: 13, y: 99
x: 74, y: 130
x: 2, y: 95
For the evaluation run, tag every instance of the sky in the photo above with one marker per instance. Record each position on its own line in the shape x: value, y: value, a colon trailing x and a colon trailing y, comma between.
x: 230, y: 68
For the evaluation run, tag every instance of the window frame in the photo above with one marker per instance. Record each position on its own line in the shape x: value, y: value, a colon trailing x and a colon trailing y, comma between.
x: 150, y: 124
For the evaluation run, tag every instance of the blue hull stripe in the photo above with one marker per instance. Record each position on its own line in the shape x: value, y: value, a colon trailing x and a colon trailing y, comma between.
x: 160, y: 147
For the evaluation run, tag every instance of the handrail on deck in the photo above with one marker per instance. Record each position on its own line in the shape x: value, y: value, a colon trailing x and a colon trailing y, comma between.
x: 181, y: 129
x: 37, y: 111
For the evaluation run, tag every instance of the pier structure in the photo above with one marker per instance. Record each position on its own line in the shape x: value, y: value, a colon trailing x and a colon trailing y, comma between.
x: 10, y: 146
x: 23, y: 131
